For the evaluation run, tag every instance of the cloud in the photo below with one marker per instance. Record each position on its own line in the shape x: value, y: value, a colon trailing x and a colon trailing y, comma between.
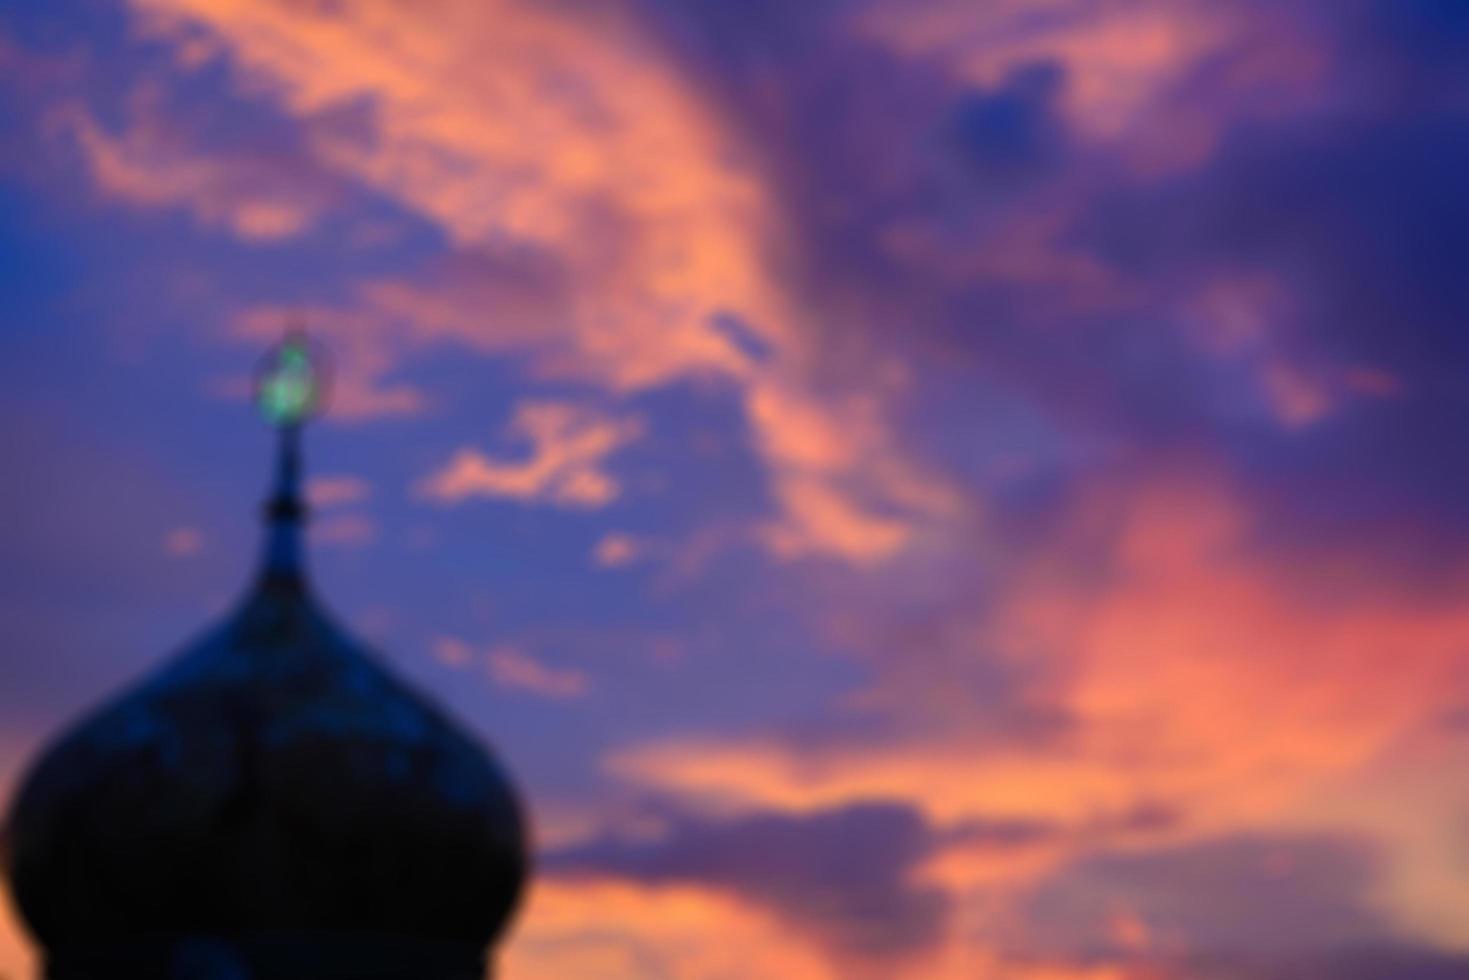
x: 819, y: 518
x: 1232, y: 148
x: 1147, y: 627
x: 1127, y: 67
x: 182, y: 542
x: 610, y: 167
x: 615, y: 550
x: 1246, y: 907
x: 642, y: 222
x: 569, y: 448
x: 1351, y: 961
x: 627, y: 288
x: 344, y: 530
x: 17, y: 958
x: 334, y: 490
x: 1150, y: 623
x: 619, y: 930
x: 1251, y: 906
x: 844, y: 875
x: 1065, y: 328
x: 514, y: 669
x: 254, y: 195
x: 452, y: 651
x: 1241, y: 897
x: 1305, y: 198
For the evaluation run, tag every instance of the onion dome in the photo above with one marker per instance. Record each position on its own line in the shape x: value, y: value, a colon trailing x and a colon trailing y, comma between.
x: 272, y: 804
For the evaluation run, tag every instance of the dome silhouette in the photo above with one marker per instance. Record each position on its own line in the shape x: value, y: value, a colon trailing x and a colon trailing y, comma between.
x: 271, y: 804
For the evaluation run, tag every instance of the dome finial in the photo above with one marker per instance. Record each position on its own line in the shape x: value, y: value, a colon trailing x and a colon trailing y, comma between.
x: 290, y: 390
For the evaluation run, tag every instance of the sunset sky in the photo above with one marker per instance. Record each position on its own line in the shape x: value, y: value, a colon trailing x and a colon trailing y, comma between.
x: 911, y: 488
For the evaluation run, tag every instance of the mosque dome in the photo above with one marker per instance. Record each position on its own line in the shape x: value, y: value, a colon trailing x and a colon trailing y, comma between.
x: 271, y: 804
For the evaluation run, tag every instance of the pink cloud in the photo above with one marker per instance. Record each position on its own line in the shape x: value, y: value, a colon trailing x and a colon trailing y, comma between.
x: 153, y: 163
x: 569, y: 447
x: 452, y: 651
x: 514, y: 669
x: 649, y: 221
x: 344, y: 530
x: 332, y: 490
x: 1250, y: 321
x: 1192, y: 670
x: 17, y: 957
x: 1125, y: 64
x: 615, y: 550
x: 818, y: 518
x: 620, y: 931
x: 183, y: 542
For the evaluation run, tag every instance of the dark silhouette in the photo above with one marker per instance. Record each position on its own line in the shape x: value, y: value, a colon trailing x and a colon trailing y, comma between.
x: 272, y: 804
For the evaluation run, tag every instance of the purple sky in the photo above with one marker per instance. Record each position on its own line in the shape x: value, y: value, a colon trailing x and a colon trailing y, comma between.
x: 912, y: 488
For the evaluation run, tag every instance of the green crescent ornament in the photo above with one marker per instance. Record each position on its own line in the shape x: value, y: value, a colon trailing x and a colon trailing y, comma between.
x: 289, y: 391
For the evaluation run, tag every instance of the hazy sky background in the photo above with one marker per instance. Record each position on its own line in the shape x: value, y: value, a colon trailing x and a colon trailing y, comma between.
x: 925, y: 488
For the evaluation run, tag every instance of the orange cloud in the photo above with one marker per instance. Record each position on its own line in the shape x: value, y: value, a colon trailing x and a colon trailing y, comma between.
x: 513, y: 668
x: 619, y: 173
x: 18, y: 959
x: 1231, y: 686
x: 648, y: 220
x: 569, y: 446
x: 151, y: 164
x: 1403, y: 800
x: 1236, y: 689
x: 612, y: 929
x: 17, y: 956
x: 615, y: 931
x: 1194, y: 670
x: 1323, y: 661
x: 820, y: 518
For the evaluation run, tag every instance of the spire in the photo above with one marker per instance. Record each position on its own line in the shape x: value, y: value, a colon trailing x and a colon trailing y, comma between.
x: 289, y: 392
